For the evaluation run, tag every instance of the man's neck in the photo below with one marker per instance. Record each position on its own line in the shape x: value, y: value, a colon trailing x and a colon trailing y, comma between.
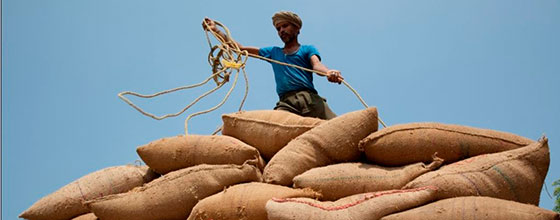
x: 291, y: 47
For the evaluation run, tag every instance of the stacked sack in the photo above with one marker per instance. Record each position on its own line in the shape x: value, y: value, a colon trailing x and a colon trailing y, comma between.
x: 277, y: 165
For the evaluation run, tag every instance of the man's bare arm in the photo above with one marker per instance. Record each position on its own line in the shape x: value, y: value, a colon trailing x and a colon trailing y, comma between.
x: 332, y: 75
x: 209, y: 24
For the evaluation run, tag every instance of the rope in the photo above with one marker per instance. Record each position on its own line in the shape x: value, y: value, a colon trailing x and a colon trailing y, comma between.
x: 223, y: 61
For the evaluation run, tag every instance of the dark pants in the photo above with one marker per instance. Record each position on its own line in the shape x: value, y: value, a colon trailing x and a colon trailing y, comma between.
x: 305, y: 103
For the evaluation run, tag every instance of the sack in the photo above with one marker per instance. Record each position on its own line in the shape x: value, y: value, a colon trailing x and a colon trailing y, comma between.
x: 516, y: 175
x: 476, y: 208
x: 345, y: 179
x: 174, y: 153
x: 333, y: 141
x: 361, y: 206
x: 422, y: 140
x: 244, y: 201
x: 267, y: 130
x: 66, y: 202
x: 173, y: 195
x: 89, y: 216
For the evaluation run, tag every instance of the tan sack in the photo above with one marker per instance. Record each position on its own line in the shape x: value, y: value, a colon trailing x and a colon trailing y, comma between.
x: 267, y: 130
x: 244, y: 201
x: 333, y: 141
x: 416, y: 142
x: 66, y: 202
x: 173, y: 153
x: 362, y: 206
x: 173, y: 195
x: 89, y: 216
x: 476, y: 208
x: 516, y: 175
x: 345, y: 179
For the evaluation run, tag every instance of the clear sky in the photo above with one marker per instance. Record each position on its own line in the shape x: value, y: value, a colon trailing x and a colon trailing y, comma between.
x: 487, y: 64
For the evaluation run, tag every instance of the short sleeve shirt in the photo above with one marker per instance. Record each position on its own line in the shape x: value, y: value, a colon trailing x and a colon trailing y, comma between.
x: 289, y: 78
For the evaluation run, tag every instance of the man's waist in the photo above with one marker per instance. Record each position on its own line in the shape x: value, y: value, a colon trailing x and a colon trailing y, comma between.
x: 293, y: 92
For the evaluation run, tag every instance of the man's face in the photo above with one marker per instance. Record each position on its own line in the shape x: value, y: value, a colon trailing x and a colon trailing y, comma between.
x: 287, y: 31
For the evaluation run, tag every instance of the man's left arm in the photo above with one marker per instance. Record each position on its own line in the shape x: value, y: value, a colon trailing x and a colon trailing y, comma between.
x: 332, y: 75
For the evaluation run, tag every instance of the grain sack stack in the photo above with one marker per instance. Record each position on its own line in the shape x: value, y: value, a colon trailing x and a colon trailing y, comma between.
x: 174, y: 153
x: 88, y: 216
x: 66, y: 203
x: 321, y: 146
x: 343, y: 168
x: 345, y: 179
x: 173, y: 195
x: 515, y: 175
x: 245, y: 201
x: 475, y: 207
x: 361, y: 206
x: 451, y: 142
x: 267, y: 130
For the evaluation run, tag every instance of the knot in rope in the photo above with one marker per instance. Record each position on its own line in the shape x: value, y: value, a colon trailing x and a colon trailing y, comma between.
x: 232, y: 64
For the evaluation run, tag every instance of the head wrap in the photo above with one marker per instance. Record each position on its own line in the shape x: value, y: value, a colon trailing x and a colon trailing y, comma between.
x: 286, y: 16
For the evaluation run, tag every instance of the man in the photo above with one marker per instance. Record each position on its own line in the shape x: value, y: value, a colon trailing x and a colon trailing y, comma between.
x: 294, y: 86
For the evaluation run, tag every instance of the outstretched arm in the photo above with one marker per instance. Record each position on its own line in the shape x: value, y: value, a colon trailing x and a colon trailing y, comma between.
x: 209, y: 24
x: 332, y: 75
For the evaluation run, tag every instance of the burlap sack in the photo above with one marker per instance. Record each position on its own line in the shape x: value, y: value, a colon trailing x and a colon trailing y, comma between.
x: 345, y: 179
x: 267, y: 130
x: 66, y: 202
x: 333, y: 141
x: 421, y: 140
x: 173, y: 153
x: 476, y: 208
x: 244, y: 201
x: 361, y: 206
x: 89, y: 216
x: 173, y: 195
x: 516, y: 175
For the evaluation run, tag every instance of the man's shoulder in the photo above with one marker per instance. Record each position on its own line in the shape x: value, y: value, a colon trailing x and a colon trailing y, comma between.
x: 309, y: 47
x: 309, y: 50
x: 270, y: 49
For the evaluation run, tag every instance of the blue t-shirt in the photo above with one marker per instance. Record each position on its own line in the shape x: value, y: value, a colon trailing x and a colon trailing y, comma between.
x: 290, y: 78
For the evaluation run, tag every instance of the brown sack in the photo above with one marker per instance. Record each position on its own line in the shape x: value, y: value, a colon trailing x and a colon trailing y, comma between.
x: 89, y: 216
x: 333, y: 141
x: 174, y: 153
x: 345, y: 179
x: 244, y: 201
x: 516, y: 175
x: 173, y: 195
x: 267, y: 130
x: 416, y: 142
x: 362, y: 206
x: 476, y: 208
x: 66, y: 202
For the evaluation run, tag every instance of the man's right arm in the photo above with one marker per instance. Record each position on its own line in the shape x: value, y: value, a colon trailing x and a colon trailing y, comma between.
x: 209, y: 24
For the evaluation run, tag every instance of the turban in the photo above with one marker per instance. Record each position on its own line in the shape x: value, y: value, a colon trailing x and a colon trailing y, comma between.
x: 286, y: 16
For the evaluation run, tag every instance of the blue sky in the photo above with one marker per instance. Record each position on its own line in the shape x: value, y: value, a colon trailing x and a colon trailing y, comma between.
x: 488, y: 64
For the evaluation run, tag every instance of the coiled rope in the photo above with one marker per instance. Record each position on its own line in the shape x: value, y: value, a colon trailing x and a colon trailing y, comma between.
x: 224, y: 58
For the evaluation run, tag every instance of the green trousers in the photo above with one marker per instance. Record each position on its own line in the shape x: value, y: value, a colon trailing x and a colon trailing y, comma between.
x: 305, y: 103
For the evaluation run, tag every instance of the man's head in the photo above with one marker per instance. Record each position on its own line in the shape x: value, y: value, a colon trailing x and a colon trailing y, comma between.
x: 287, y: 24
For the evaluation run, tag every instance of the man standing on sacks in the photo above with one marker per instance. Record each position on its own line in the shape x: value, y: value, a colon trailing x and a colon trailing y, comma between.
x: 294, y: 86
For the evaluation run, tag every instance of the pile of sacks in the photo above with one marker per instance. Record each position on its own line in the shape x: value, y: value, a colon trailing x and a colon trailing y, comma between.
x: 277, y: 165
